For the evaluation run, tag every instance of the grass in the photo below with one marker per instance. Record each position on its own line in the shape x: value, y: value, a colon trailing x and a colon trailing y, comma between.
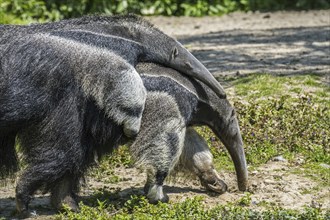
x: 192, y: 208
x: 286, y: 116
x: 120, y: 157
x: 278, y: 115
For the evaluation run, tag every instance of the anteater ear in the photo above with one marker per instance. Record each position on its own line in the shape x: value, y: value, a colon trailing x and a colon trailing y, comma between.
x: 174, y: 53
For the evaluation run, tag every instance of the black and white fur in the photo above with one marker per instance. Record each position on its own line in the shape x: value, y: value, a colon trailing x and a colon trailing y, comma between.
x: 174, y: 103
x: 59, y: 146
x: 129, y: 36
x: 166, y: 141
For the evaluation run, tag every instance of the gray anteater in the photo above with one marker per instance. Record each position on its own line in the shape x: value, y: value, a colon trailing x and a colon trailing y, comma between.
x: 60, y: 147
x: 129, y: 39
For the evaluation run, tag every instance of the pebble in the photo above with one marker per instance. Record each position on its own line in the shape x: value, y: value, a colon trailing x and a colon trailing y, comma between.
x: 254, y: 172
x: 324, y: 165
x: 269, y: 182
x: 279, y: 158
x: 254, y: 202
x: 254, y: 184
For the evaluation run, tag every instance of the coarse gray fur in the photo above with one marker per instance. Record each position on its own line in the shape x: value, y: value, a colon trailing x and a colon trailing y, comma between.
x: 160, y: 141
x: 197, y: 158
x: 39, y: 63
x: 59, y: 139
x: 150, y: 44
x: 173, y: 104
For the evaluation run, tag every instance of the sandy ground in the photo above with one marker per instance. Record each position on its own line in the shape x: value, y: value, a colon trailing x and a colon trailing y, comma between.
x: 239, y: 43
x: 273, y: 184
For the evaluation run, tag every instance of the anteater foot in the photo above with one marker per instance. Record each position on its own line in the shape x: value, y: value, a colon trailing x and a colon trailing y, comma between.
x: 67, y: 201
x: 156, y: 194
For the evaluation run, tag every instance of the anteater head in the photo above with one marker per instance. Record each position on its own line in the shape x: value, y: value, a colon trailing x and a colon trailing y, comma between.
x: 163, y: 49
x: 172, y: 54
x: 221, y: 117
x: 181, y: 59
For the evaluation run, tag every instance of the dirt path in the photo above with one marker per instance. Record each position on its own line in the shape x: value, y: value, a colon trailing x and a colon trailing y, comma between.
x: 272, y: 185
x: 281, y: 43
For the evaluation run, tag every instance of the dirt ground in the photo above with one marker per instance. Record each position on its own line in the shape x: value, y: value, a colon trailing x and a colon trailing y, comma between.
x: 273, y: 184
x: 239, y: 43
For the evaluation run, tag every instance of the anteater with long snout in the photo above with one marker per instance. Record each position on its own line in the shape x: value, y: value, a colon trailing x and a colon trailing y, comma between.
x: 61, y: 144
x: 166, y: 141
x: 96, y: 49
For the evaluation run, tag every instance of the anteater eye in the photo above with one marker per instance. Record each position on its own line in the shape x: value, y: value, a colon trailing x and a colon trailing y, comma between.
x: 188, y: 65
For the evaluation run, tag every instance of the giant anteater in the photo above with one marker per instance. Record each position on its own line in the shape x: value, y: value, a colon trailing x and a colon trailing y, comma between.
x: 62, y: 144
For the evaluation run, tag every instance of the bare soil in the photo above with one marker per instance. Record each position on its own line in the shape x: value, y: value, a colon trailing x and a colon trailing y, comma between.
x: 272, y: 184
x: 242, y: 43
x: 239, y: 43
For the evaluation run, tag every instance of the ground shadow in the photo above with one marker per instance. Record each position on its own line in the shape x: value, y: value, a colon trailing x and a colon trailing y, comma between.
x: 40, y: 205
x: 282, y: 50
x: 120, y: 197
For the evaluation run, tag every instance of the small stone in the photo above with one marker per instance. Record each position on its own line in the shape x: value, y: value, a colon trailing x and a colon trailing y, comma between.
x: 254, y: 184
x: 254, y: 172
x: 324, y: 165
x: 268, y: 182
x: 300, y: 161
x: 279, y: 158
x: 266, y: 16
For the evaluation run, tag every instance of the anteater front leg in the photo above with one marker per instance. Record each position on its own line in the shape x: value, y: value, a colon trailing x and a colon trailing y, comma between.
x: 154, y: 190
x: 158, y: 155
x: 197, y: 158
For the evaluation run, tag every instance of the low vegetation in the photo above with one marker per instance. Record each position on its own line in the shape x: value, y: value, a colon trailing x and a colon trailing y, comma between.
x: 21, y: 11
x: 139, y: 208
x: 284, y: 116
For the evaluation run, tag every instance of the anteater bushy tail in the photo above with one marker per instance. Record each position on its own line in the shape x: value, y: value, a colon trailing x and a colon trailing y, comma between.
x: 8, y: 156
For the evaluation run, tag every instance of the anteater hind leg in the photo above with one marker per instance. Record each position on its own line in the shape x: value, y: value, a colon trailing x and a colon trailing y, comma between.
x: 63, y: 194
x: 53, y: 150
x: 30, y: 180
x: 33, y: 178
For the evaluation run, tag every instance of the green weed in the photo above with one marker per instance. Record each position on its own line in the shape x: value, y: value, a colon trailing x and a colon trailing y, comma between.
x: 286, y: 116
x: 192, y: 208
x: 275, y: 119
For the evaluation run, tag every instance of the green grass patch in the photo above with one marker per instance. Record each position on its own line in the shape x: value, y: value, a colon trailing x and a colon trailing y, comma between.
x: 278, y: 115
x: 314, y: 171
x: 192, y: 208
x: 286, y: 116
x: 120, y: 157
